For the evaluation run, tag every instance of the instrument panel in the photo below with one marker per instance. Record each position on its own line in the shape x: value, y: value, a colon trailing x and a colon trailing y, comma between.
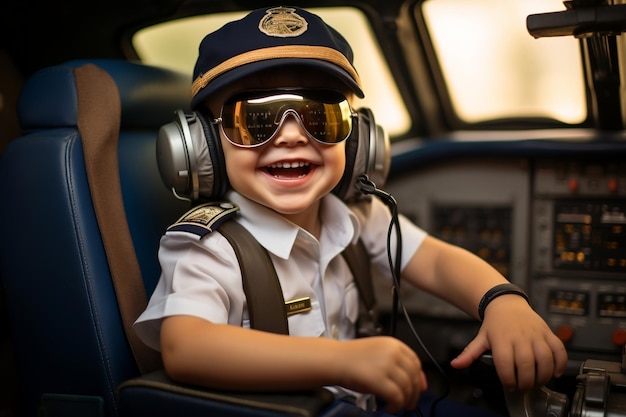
x: 556, y: 226
x: 578, y: 252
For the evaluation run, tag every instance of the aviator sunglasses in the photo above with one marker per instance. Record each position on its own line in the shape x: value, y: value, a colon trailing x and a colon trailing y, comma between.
x: 253, y: 119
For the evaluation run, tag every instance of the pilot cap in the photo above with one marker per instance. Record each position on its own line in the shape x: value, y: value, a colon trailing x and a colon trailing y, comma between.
x: 270, y: 38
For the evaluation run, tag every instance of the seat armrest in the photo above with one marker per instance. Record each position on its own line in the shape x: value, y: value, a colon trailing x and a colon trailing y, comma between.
x: 156, y: 395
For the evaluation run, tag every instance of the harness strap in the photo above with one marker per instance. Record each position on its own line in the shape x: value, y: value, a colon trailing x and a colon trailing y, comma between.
x: 266, y: 304
x: 355, y: 255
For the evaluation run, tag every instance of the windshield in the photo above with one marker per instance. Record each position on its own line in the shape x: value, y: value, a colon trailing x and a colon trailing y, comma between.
x: 492, y: 68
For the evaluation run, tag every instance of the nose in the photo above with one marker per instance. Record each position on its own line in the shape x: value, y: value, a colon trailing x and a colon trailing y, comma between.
x: 290, y: 132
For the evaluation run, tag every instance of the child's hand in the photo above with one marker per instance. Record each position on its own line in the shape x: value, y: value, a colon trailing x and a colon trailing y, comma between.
x: 526, y: 353
x: 385, y: 367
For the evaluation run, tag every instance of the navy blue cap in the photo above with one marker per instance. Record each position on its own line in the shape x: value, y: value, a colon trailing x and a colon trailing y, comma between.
x: 271, y: 38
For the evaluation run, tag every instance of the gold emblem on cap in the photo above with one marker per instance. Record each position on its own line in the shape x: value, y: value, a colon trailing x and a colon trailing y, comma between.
x: 282, y: 22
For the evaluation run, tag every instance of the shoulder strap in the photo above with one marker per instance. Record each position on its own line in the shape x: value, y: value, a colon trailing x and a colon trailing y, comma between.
x: 266, y: 304
x: 99, y: 114
x: 354, y: 256
x: 368, y: 315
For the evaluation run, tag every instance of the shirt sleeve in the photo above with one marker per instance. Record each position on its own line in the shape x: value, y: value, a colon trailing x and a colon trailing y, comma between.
x: 200, y: 277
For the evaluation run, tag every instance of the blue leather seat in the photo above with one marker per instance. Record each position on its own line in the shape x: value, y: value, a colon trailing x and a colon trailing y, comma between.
x: 67, y: 332
x: 73, y: 357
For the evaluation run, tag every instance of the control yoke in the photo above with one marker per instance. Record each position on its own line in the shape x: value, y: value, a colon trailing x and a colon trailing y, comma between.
x: 600, y: 391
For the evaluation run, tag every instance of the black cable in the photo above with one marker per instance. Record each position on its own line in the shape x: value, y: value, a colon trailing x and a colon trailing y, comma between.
x: 366, y: 186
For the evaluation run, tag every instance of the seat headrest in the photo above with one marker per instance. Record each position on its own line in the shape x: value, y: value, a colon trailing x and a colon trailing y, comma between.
x: 149, y: 95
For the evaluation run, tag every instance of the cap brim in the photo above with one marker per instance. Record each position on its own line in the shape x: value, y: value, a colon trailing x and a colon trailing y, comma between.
x: 249, y: 69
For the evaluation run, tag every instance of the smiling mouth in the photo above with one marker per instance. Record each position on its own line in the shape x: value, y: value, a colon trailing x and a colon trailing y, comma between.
x: 287, y: 170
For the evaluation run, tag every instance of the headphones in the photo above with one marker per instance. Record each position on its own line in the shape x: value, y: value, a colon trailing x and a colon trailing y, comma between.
x: 191, y: 163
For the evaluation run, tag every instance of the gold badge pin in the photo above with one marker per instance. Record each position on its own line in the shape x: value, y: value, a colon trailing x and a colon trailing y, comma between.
x: 282, y: 22
x: 297, y: 306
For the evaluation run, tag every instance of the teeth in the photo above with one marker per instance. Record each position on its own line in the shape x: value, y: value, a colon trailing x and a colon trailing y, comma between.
x: 298, y: 164
x: 280, y: 176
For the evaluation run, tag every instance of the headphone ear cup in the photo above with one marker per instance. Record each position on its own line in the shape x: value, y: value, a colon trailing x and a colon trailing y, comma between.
x: 367, y: 152
x: 190, y: 159
x: 212, y: 167
x: 176, y: 157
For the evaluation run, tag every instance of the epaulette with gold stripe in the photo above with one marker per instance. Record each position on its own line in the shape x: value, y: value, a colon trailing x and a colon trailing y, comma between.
x: 205, y: 218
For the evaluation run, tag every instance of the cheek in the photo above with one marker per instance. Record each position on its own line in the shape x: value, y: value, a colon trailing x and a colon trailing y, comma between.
x: 238, y: 161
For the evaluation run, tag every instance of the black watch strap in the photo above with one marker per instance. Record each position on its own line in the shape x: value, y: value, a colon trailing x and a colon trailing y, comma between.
x: 496, y: 292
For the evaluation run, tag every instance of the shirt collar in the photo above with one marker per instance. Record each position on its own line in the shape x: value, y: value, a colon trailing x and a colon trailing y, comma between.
x: 278, y: 235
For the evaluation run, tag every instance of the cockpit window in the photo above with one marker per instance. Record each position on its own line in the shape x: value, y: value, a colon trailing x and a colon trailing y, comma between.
x: 491, y: 67
x: 494, y: 69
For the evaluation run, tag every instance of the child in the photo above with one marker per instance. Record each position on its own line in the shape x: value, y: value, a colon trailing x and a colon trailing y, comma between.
x: 281, y: 171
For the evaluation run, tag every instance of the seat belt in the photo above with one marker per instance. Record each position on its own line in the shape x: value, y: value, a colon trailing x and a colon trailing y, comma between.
x: 99, y: 115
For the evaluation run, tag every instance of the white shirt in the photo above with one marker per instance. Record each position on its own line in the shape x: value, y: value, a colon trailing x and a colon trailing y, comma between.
x: 201, y: 276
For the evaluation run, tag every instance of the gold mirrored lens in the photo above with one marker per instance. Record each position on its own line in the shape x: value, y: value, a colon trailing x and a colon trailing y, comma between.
x: 254, y: 121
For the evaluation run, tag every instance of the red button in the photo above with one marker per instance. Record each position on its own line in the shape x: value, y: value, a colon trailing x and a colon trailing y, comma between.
x: 573, y: 184
x: 619, y: 337
x: 565, y: 333
x: 612, y: 185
